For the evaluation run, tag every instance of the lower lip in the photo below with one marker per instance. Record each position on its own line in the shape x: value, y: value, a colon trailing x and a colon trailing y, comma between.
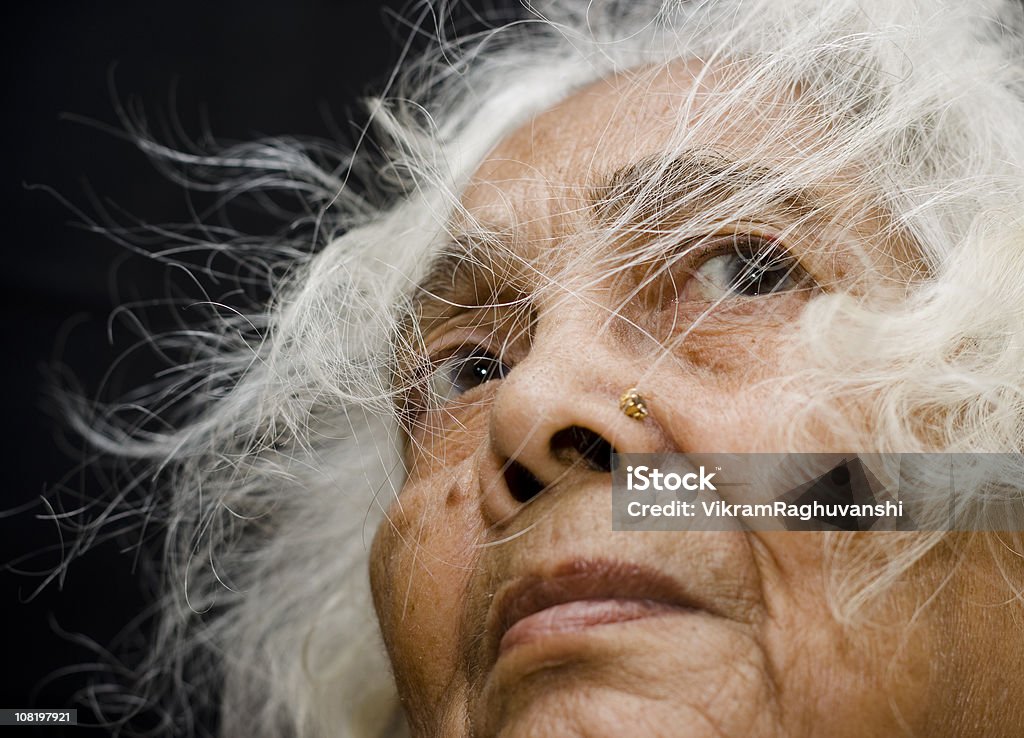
x: 571, y: 617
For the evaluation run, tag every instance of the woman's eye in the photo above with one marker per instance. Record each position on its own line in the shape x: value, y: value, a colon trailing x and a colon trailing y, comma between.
x: 462, y: 372
x: 748, y: 268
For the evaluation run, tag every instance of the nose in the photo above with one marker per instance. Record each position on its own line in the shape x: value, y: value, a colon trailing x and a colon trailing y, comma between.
x: 556, y: 420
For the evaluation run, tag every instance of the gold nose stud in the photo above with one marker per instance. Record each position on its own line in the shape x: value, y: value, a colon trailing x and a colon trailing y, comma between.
x: 632, y: 404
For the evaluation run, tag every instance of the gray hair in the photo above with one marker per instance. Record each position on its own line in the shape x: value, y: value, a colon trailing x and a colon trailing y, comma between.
x: 285, y: 452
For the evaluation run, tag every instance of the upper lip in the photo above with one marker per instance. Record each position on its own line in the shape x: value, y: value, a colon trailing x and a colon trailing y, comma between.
x: 581, y: 580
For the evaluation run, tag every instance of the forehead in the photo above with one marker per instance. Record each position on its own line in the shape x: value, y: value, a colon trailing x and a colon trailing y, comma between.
x: 545, y: 168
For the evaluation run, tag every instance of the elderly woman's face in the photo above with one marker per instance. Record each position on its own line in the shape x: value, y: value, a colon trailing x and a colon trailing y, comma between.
x: 507, y: 604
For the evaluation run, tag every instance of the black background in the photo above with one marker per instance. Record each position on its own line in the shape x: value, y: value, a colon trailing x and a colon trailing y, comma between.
x: 240, y: 69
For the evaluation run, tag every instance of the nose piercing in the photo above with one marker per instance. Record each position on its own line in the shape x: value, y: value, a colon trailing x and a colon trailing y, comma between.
x: 632, y: 404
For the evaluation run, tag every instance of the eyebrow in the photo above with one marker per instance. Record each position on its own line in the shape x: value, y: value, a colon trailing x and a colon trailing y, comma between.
x: 657, y: 189
x: 469, y: 259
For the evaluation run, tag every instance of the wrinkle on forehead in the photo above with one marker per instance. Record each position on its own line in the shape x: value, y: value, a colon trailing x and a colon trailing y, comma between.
x: 545, y: 164
x: 546, y: 182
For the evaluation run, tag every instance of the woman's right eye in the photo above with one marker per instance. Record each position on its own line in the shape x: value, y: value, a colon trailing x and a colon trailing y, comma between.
x: 464, y: 371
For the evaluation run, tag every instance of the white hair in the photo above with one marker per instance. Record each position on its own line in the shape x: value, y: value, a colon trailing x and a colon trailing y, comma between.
x: 282, y: 452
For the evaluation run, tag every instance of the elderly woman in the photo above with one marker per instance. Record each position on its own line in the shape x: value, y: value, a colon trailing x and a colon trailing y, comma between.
x: 723, y: 226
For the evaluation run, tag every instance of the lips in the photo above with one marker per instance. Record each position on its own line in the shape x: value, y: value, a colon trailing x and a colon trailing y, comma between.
x: 580, y: 595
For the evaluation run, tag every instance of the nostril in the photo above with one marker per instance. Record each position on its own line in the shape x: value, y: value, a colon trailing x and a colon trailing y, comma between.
x: 576, y: 444
x: 521, y: 482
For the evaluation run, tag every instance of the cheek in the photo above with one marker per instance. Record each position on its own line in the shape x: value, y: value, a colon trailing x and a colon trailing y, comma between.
x: 715, y: 410
x: 422, y: 558
x: 739, y: 348
x: 735, y: 392
x: 859, y: 676
x: 445, y: 437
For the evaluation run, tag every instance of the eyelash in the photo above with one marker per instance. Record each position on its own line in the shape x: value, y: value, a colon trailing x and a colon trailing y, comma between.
x: 763, y: 259
x: 447, y: 375
x: 471, y: 365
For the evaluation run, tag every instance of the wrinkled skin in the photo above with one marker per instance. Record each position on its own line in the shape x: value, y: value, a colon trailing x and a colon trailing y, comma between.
x: 757, y: 651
